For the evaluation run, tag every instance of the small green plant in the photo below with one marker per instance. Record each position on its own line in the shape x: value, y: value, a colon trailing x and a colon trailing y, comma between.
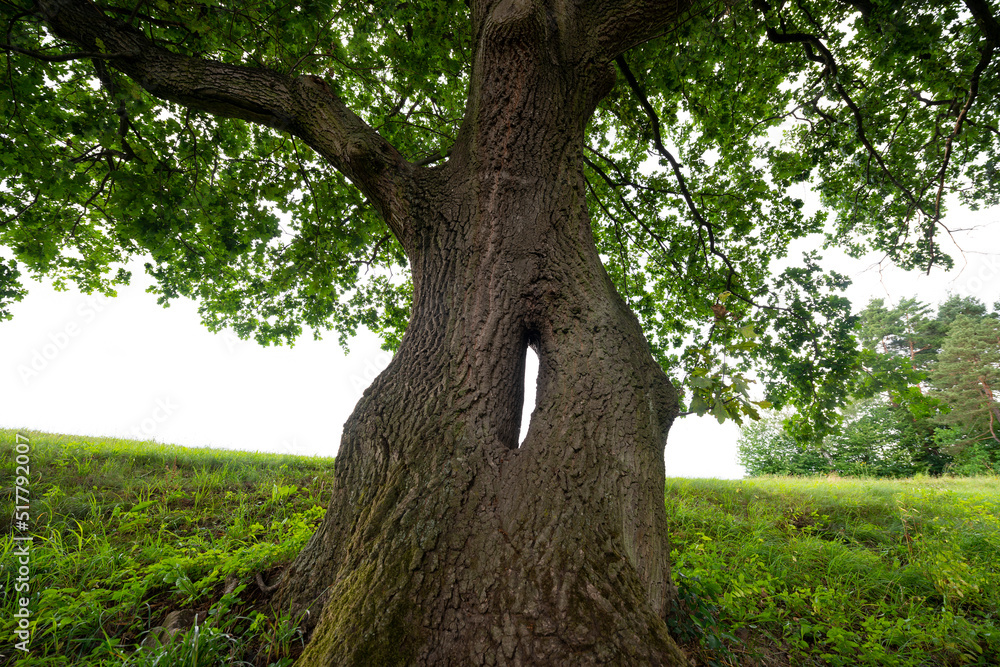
x: 281, y: 632
x: 280, y: 494
x: 201, y: 646
x: 694, y: 618
x: 210, y: 644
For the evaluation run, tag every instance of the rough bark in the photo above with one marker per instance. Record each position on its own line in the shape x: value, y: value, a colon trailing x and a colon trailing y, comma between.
x: 445, y: 543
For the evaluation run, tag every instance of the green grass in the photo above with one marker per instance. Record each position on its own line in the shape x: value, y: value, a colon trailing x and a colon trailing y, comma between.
x: 774, y: 571
x: 839, y: 571
x: 125, y: 531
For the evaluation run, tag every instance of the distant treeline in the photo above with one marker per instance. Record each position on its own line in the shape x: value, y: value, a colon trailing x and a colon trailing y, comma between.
x: 925, y: 399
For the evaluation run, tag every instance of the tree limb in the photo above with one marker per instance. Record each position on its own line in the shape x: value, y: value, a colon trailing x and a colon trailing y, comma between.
x: 60, y: 58
x: 818, y: 52
x: 703, y: 224
x: 654, y: 120
x: 621, y: 24
x: 987, y: 22
x: 991, y: 30
x: 304, y: 106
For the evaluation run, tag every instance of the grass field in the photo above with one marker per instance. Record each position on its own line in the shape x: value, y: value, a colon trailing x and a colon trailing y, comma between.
x: 840, y: 571
x: 776, y: 571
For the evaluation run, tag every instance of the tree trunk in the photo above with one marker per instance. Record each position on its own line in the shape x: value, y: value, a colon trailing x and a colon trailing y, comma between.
x: 445, y: 543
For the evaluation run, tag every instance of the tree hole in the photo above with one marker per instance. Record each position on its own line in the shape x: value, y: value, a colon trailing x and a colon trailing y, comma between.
x: 530, y: 384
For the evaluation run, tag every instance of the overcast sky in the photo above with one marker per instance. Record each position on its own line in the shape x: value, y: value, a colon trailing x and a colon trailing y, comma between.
x: 88, y: 365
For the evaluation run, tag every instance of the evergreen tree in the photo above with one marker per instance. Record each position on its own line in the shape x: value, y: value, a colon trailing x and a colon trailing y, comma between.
x: 967, y: 379
x: 936, y: 330
x: 897, y: 351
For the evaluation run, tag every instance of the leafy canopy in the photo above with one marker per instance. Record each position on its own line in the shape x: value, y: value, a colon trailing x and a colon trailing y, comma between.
x: 696, y: 165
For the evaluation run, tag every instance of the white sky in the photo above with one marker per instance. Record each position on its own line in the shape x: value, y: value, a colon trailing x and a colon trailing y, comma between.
x: 86, y: 365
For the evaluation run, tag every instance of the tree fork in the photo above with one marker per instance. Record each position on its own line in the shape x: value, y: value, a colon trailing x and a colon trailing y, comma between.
x: 445, y: 542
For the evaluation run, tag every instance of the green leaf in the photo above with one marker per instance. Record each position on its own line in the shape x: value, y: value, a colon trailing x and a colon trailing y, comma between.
x: 698, y: 406
x: 719, y: 410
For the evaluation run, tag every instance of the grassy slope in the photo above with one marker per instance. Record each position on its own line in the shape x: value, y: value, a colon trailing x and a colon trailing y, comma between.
x: 840, y: 571
x: 126, y: 531
x: 773, y: 571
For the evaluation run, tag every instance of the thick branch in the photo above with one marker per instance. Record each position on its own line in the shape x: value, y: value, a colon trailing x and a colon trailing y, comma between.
x: 991, y: 31
x: 304, y: 106
x: 621, y: 24
x: 985, y: 19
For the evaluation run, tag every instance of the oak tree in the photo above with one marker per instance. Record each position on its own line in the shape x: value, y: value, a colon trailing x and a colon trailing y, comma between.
x: 605, y: 181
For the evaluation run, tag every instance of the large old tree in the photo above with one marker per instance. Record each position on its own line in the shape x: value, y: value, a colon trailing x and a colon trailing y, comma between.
x: 603, y: 181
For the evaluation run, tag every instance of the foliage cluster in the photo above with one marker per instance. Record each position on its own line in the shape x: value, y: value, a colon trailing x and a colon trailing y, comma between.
x: 923, y: 398
x: 693, y: 166
x: 124, y: 532
x: 817, y: 571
